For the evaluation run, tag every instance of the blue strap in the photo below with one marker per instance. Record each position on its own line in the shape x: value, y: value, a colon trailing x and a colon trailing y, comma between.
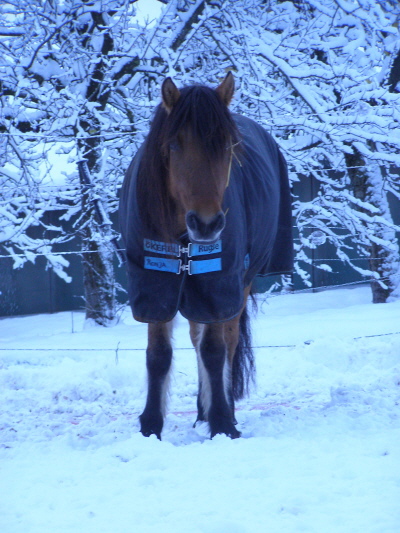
x: 171, y: 248
x: 208, y: 265
x: 176, y: 266
x: 164, y: 248
x: 204, y: 249
x: 162, y: 264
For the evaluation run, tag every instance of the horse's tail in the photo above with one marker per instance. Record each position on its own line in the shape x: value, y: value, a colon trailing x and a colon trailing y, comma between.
x: 243, y: 365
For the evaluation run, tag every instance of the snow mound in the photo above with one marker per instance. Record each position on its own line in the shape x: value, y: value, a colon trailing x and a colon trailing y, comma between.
x: 320, y: 433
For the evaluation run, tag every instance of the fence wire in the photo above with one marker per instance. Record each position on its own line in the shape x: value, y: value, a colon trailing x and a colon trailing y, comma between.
x: 82, y: 252
x: 117, y: 350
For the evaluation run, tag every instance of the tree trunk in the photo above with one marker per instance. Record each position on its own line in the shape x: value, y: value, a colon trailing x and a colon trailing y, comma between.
x: 97, y: 258
x: 99, y: 286
x: 97, y: 252
x: 383, y: 259
x: 367, y: 185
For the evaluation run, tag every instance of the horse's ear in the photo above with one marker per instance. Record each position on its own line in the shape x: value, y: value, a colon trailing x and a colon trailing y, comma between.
x: 226, y: 89
x: 170, y: 94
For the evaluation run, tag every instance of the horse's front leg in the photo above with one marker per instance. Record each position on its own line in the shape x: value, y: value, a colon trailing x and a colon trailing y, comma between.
x: 215, y: 380
x: 158, y: 362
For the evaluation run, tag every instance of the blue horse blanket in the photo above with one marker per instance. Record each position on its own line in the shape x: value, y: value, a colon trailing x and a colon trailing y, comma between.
x: 206, y: 282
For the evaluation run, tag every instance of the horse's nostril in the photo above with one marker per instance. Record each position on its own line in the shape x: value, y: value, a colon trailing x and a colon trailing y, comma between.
x: 218, y: 223
x: 192, y: 221
x: 204, y: 231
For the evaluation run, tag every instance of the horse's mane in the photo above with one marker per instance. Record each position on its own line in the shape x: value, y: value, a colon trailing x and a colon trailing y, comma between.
x: 199, y: 110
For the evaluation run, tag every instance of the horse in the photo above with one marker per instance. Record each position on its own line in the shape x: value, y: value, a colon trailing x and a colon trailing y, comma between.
x: 204, y: 209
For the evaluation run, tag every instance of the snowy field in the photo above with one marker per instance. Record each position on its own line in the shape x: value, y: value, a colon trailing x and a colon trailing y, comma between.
x: 320, y: 450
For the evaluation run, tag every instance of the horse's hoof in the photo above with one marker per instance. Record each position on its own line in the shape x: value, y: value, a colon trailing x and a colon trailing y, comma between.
x: 200, y: 418
x: 150, y: 433
x: 150, y: 426
x: 229, y: 430
x: 234, y: 434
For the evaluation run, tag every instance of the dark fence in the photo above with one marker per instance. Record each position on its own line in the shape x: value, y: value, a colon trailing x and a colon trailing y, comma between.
x: 36, y: 289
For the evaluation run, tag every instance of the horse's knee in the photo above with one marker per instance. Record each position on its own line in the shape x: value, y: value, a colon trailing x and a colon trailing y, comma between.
x: 159, y: 350
x: 231, y: 331
x: 158, y: 359
x: 213, y: 352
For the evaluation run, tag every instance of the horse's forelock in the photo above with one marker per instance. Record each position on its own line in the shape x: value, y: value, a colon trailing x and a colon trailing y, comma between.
x: 200, y: 112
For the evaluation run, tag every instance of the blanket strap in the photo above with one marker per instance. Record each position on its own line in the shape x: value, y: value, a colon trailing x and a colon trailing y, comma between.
x: 230, y: 163
x: 177, y: 266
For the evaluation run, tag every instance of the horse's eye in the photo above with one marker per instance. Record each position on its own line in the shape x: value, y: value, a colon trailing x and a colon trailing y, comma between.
x: 174, y: 146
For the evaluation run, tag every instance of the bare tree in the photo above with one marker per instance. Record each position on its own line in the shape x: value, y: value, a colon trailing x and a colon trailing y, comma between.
x: 322, y: 77
x: 80, y: 80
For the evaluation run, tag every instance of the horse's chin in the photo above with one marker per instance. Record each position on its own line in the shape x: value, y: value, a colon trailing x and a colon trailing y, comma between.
x: 200, y: 239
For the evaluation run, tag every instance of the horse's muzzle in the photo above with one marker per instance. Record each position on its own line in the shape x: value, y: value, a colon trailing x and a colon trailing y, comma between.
x: 201, y: 231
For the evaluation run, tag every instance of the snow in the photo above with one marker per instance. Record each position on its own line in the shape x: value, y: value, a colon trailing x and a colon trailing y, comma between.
x: 148, y: 11
x: 320, y: 434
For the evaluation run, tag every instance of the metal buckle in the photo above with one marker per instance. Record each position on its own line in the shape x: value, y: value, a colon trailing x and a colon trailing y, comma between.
x: 180, y: 269
x: 185, y: 268
x: 183, y: 250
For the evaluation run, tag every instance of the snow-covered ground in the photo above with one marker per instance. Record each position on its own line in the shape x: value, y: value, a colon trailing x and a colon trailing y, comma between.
x: 320, y: 450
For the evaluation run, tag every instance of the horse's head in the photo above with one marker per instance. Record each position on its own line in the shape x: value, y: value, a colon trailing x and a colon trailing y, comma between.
x: 198, y: 138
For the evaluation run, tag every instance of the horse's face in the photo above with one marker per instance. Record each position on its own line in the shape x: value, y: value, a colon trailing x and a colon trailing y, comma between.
x: 197, y: 179
x: 198, y: 185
